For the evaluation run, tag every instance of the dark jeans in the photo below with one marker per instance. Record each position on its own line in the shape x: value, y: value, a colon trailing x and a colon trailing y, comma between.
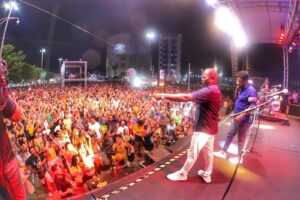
x: 241, y: 130
x: 11, y: 186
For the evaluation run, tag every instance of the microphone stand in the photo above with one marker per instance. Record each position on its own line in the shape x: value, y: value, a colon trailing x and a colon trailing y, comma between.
x: 250, y: 109
x: 244, y: 148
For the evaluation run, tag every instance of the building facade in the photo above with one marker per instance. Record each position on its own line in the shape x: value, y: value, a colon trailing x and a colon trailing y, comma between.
x: 126, y: 51
x: 169, y: 58
x: 117, y: 54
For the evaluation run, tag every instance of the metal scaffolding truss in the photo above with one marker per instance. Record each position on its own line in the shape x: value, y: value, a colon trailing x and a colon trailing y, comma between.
x: 259, y: 6
x: 291, y: 26
x: 234, y: 61
x: 292, y: 20
x: 285, y: 67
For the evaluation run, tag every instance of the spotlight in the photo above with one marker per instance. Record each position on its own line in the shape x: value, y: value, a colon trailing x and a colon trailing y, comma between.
x: 212, y: 3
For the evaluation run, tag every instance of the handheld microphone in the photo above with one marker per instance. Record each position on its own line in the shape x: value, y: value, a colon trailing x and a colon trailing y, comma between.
x: 285, y: 91
x: 279, y: 85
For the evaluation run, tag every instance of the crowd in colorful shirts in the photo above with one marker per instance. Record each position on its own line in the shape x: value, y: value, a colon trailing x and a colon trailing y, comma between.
x: 66, y: 134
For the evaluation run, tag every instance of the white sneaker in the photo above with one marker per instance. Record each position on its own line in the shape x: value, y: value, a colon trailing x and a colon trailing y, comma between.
x: 235, y: 160
x: 220, y: 154
x: 177, y: 176
x: 206, y: 178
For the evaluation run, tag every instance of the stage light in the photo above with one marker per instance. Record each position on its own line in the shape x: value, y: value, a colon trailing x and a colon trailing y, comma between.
x: 285, y: 91
x: 226, y: 21
x: 240, y: 39
x: 250, y: 82
x: 137, y: 82
x: 150, y: 35
x: 12, y: 5
x: 211, y: 3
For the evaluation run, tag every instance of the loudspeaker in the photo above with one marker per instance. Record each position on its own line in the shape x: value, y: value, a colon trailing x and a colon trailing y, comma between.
x: 158, y: 154
x: 294, y: 110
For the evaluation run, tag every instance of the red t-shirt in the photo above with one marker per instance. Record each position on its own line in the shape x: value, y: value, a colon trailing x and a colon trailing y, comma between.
x: 208, y: 103
x: 6, y: 152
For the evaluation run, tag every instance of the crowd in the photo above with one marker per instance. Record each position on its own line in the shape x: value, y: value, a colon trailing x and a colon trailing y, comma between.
x: 65, y: 134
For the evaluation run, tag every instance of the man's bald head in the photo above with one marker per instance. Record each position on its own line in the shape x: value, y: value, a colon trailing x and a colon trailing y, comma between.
x: 209, y: 76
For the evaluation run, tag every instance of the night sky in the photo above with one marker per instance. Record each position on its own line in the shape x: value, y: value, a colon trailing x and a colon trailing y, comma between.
x: 202, y: 44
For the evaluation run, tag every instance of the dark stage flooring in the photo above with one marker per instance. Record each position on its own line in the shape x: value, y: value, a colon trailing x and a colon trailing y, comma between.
x: 269, y: 171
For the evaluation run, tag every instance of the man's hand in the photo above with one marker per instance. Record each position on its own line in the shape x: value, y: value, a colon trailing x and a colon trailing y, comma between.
x: 238, y: 118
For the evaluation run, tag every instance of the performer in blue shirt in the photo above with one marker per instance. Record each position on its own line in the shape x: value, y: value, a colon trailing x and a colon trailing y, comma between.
x: 245, y: 95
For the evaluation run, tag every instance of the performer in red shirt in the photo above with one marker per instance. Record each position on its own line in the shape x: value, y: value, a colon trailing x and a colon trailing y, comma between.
x: 11, y: 186
x: 208, y: 102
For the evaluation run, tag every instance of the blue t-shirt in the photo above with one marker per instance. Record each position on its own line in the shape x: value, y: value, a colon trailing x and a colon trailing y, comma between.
x: 208, y: 103
x: 246, y: 97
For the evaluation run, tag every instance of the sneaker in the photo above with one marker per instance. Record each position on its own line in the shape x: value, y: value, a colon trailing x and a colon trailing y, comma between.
x: 220, y: 154
x: 235, y: 160
x: 206, y: 178
x: 177, y: 176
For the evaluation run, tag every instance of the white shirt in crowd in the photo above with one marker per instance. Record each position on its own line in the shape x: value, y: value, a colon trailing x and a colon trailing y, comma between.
x: 95, y: 127
x: 121, y: 129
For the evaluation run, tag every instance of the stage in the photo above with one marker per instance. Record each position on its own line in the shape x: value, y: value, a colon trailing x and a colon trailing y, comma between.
x: 270, y: 171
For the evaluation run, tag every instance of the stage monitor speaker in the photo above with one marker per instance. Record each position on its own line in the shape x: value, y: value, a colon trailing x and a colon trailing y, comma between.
x: 158, y: 154
x: 294, y: 110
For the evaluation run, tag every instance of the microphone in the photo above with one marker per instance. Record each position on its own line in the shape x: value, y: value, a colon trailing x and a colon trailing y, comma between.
x: 279, y: 85
x: 285, y: 91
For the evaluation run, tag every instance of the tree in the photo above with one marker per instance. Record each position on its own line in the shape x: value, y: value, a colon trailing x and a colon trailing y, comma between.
x: 37, y: 73
x: 28, y: 72
x: 15, y: 60
x: 48, y: 75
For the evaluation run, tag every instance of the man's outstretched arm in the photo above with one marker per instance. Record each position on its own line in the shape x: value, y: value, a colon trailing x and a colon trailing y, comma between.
x: 174, y: 97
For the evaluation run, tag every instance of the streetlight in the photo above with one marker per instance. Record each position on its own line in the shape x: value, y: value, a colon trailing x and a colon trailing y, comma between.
x: 3, y: 20
x: 12, y: 5
x: 42, y: 51
x: 60, y: 61
x: 151, y: 35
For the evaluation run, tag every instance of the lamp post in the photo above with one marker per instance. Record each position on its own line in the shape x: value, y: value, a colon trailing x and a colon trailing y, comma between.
x: 12, y: 5
x: 42, y: 51
x: 60, y: 61
x: 151, y: 35
x: 3, y: 20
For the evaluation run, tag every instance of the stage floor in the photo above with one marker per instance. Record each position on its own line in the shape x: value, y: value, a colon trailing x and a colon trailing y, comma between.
x: 270, y: 171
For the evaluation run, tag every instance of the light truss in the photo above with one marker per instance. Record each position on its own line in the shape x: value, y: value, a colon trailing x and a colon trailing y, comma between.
x: 292, y: 20
x: 266, y: 6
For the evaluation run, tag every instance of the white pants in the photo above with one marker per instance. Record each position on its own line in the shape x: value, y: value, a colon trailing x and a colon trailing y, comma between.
x: 200, y: 140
